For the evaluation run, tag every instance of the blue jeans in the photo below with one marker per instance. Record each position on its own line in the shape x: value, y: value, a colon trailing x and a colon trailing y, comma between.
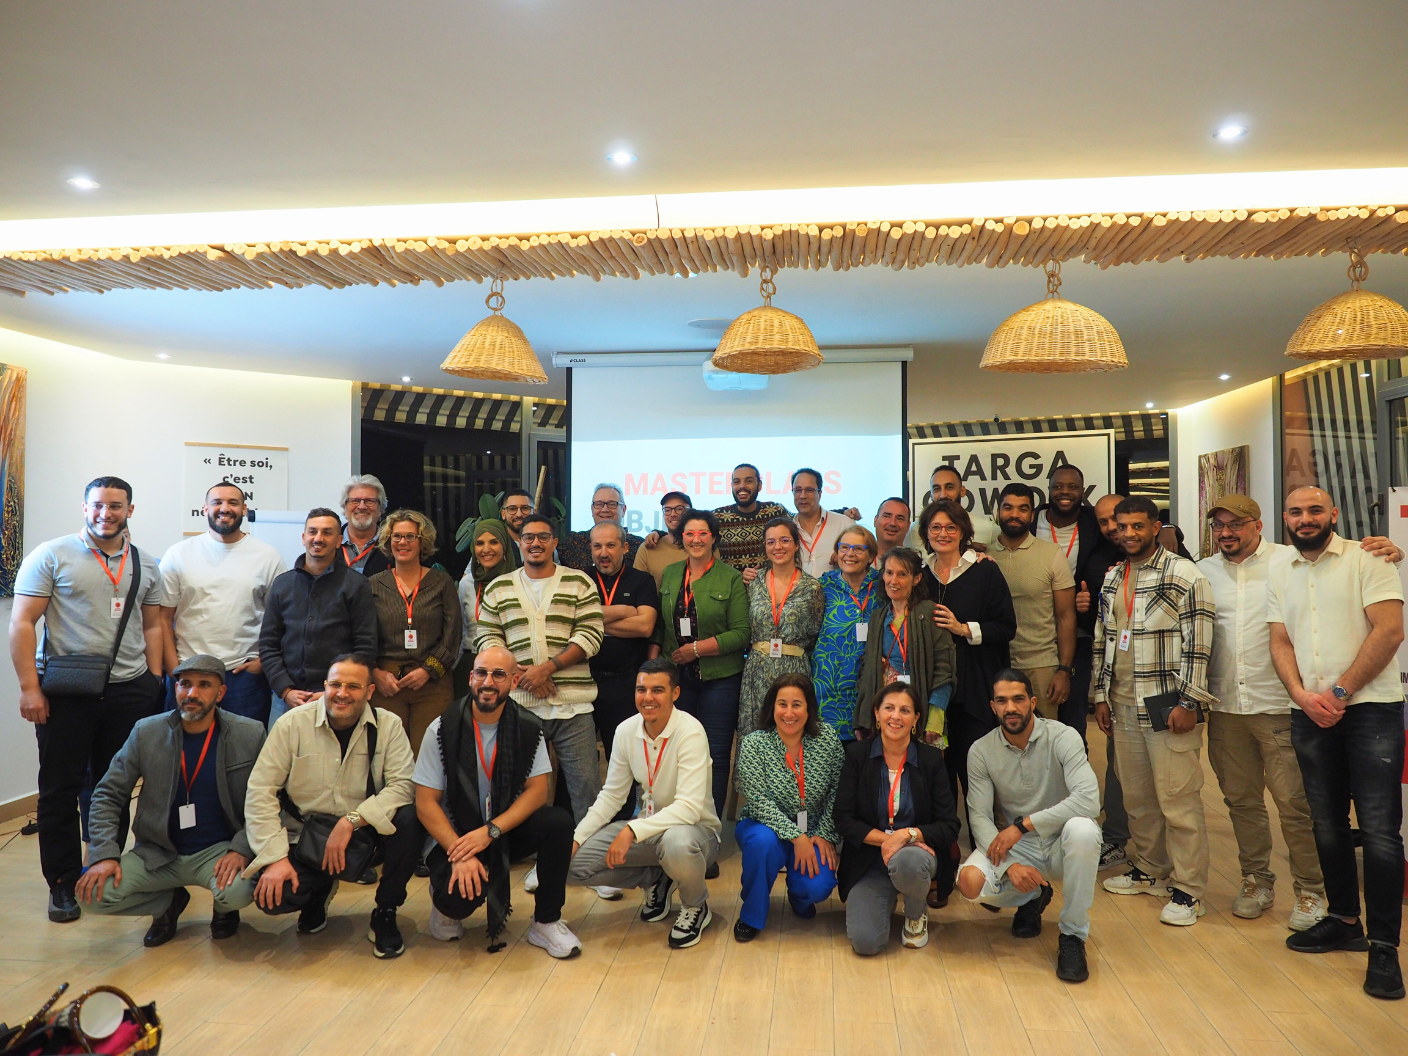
x: 715, y: 704
x: 246, y: 694
x: 1359, y: 758
x: 765, y: 853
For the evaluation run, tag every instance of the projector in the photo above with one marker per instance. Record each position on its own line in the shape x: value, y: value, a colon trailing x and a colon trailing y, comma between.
x: 728, y: 381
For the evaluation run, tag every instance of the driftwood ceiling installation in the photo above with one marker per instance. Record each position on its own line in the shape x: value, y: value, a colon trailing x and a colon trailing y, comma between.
x: 1096, y: 238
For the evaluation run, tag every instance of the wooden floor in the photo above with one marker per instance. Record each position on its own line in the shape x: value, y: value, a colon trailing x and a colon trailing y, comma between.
x: 1225, y: 986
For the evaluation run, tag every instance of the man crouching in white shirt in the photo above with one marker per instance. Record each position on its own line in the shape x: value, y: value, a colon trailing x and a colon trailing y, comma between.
x: 675, y: 834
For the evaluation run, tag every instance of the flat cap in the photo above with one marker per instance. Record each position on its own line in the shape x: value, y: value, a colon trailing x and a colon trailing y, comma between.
x: 204, y: 663
x: 1241, y: 505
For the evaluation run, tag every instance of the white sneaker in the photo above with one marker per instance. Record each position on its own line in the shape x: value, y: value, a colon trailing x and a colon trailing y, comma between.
x: 443, y: 928
x: 610, y: 894
x: 556, y: 938
x: 916, y: 932
x: 1254, y: 899
x: 530, y: 881
x: 1136, y: 882
x: 1310, y: 910
x: 1182, y: 910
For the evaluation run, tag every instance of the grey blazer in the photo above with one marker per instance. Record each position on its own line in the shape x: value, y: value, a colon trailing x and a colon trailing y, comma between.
x: 153, y: 754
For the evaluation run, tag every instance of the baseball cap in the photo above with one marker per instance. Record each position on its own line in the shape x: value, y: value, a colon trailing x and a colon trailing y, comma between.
x: 1241, y: 505
x: 204, y: 663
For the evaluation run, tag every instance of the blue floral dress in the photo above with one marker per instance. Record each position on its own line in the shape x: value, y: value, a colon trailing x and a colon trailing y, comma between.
x: 838, y: 653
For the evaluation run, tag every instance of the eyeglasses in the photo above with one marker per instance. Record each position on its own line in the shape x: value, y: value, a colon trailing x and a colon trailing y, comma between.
x: 944, y: 529
x: 111, y: 507
x: 673, y: 509
x: 536, y: 537
x: 705, y: 534
x: 402, y: 537
x: 806, y: 491
x: 515, y: 509
x: 351, y: 687
x: 852, y: 548
x: 1230, y: 526
x: 483, y: 674
x: 607, y: 505
x: 362, y: 502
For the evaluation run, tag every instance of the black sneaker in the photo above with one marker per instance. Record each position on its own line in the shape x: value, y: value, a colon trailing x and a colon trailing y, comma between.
x: 224, y: 925
x: 384, y: 935
x: 422, y: 870
x: 1329, y: 934
x: 63, y: 907
x: 689, y: 926
x: 711, y: 872
x: 313, y: 917
x: 163, y: 928
x: 1026, y: 923
x: 1070, y: 959
x: 369, y: 877
x: 745, y: 932
x: 657, y: 899
x: 1384, y: 978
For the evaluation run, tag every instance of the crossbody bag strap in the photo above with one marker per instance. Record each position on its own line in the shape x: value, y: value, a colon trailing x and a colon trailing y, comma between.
x: 371, y: 752
x: 127, y: 609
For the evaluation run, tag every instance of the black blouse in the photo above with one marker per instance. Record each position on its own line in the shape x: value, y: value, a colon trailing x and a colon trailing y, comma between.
x: 980, y: 596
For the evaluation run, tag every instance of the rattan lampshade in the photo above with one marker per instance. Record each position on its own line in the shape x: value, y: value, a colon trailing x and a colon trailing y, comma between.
x: 495, y: 348
x: 1054, y: 336
x: 767, y: 340
x: 1355, y: 325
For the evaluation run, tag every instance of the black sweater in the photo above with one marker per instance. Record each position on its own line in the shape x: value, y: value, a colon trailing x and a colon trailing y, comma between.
x: 310, y: 619
x: 979, y: 596
x: 857, y: 808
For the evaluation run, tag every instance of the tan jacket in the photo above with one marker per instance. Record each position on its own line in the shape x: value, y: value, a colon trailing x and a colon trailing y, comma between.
x: 302, y: 755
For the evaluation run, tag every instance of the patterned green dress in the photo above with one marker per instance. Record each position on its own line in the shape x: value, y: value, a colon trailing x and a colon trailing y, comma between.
x: 838, y: 653
x: 801, y: 621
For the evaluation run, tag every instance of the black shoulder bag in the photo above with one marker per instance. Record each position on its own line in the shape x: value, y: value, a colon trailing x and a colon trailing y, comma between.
x: 83, y: 675
x: 363, y: 849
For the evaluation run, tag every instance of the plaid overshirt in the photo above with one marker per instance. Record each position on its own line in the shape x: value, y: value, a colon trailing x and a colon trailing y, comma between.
x: 1173, y: 627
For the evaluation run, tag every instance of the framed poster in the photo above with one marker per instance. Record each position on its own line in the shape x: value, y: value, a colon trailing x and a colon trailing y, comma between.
x: 1220, y: 473
x: 12, y: 423
x: 261, y: 471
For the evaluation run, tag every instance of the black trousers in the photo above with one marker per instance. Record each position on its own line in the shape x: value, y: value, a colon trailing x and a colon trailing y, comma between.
x: 615, y: 703
x: 82, y: 735
x: 399, y: 853
x: 547, y: 832
x: 963, y: 731
x: 1075, y: 712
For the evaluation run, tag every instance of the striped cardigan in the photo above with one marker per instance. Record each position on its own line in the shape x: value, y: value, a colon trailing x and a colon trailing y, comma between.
x: 571, y: 615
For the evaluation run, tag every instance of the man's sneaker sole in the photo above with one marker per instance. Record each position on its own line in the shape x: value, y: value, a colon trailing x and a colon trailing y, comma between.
x: 533, y: 940
x: 693, y: 940
x: 377, y: 951
x: 1359, y: 945
x: 1158, y: 890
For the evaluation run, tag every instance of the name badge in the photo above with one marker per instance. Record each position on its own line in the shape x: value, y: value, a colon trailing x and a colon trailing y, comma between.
x: 412, y: 638
x: 118, y: 604
x: 685, y: 631
x: 649, y: 804
x: 862, y: 632
x: 775, y: 648
x: 186, y: 816
x: 902, y: 678
x: 1125, y: 637
x: 802, y: 821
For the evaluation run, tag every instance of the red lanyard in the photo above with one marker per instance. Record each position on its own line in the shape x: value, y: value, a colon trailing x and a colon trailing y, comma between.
x: 799, y: 774
x: 102, y: 560
x: 346, y: 550
x: 649, y: 773
x: 859, y: 603
x: 688, y: 590
x: 772, y: 596
x: 894, y: 797
x: 816, y: 538
x: 1128, y: 598
x: 478, y: 597
x: 606, y: 598
x: 1075, y: 533
x: 199, y: 762
x: 899, y: 637
x: 488, y: 767
x: 410, y: 602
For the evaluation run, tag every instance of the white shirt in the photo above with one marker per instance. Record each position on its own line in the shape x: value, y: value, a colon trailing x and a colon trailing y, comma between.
x: 1322, y: 604
x: 1065, y: 538
x: 817, y: 546
x: 1241, y: 675
x: 218, y: 591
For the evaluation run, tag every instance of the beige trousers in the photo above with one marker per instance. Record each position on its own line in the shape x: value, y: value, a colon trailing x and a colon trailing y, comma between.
x: 1249, y: 754
x: 1162, y: 778
x: 1041, y: 685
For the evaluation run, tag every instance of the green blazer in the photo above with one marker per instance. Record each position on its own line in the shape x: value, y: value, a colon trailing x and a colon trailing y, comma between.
x: 721, y: 602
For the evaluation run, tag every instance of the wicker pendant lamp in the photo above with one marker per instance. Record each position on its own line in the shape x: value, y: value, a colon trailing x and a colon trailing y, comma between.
x: 767, y: 340
x: 495, y: 348
x: 1355, y: 325
x: 1054, y: 336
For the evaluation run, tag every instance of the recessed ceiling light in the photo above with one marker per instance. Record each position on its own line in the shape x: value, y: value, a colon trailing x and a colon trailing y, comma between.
x: 710, y: 324
x: 1224, y: 377
x: 621, y: 157
x: 405, y: 377
x: 83, y: 183
x: 162, y: 355
x: 1149, y: 406
x: 1229, y: 133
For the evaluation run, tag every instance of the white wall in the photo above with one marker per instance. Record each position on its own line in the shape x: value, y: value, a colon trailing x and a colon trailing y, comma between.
x: 1243, y: 416
x: 90, y: 414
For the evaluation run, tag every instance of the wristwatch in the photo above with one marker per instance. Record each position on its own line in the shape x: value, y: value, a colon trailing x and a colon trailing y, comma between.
x: 494, y: 831
x: 913, y: 834
x: 1066, y: 668
x: 1340, y: 693
x: 355, y: 819
x: 1018, y: 822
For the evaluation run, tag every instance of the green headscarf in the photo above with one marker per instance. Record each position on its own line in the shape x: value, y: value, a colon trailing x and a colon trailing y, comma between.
x: 499, y: 531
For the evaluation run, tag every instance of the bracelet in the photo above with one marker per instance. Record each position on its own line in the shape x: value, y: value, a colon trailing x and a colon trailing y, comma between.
x: 696, y: 649
x: 434, y: 666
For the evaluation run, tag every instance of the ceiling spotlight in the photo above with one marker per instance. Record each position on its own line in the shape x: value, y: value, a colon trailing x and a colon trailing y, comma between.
x: 1224, y: 377
x: 162, y: 355
x: 405, y: 377
x: 621, y: 157
x: 1229, y: 133
x: 1149, y: 406
x: 83, y: 183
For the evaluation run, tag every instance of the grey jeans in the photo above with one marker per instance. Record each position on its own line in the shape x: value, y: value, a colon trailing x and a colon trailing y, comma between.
x: 574, y: 741
x: 1071, y: 856
x: 683, y: 852
x: 871, y: 902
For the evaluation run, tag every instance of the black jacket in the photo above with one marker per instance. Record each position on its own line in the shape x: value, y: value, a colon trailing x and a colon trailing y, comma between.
x: 857, y: 808
x: 1090, y: 542
x: 978, y: 596
x: 310, y: 619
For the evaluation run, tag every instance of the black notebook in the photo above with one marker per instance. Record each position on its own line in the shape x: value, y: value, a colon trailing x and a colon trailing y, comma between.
x: 1160, y: 707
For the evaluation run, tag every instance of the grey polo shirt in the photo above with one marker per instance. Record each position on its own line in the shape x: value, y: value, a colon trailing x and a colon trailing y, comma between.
x: 1049, y: 781
x: 78, y: 620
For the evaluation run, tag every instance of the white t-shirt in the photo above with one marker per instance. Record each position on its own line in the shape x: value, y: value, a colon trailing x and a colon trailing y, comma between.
x: 1065, y: 539
x: 218, y: 592
x: 430, y: 764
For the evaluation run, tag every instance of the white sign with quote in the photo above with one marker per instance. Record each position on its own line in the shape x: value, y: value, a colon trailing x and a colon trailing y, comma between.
x: 987, y: 464
x: 262, y: 472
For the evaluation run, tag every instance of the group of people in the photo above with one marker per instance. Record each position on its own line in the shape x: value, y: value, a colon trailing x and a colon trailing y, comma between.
x: 868, y: 677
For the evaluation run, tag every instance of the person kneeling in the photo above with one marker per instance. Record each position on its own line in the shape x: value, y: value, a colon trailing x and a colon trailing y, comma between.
x: 335, y: 767
x: 189, y: 827
x: 1036, y: 769
x: 674, y: 836
x: 494, y: 811
x: 893, y: 808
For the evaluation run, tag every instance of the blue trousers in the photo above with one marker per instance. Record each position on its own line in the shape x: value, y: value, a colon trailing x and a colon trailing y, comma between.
x: 765, y: 853
x: 246, y: 694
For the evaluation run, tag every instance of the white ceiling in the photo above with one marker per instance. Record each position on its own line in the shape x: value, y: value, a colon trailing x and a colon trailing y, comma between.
x: 177, y: 107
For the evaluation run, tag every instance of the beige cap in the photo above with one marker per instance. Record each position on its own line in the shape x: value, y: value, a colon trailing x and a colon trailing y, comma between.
x: 1241, y: 505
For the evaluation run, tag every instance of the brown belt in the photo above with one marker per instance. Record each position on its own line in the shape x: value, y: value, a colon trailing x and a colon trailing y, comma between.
x: 787, y: 650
